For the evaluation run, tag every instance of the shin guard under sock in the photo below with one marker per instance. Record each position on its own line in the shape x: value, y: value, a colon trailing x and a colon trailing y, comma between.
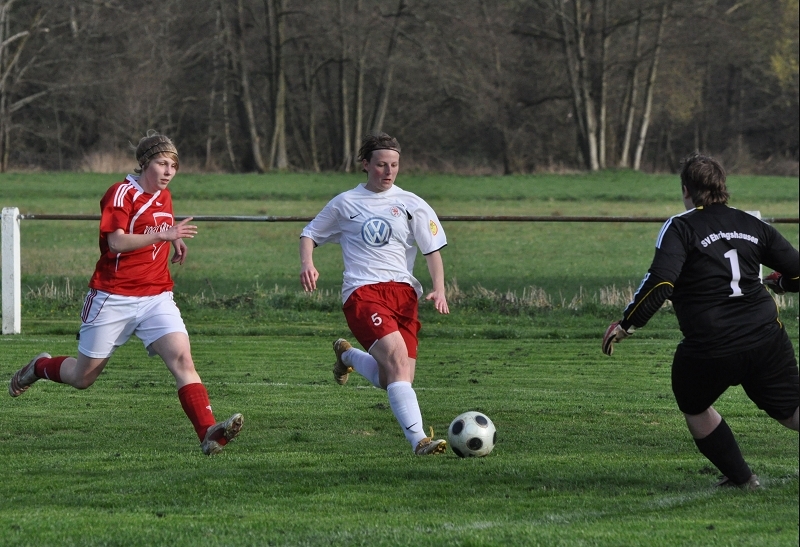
x: 405, y: 407
x: 721, y: 448
x: 195, y: 403
x: 49, y: 368
x: 363, y: 363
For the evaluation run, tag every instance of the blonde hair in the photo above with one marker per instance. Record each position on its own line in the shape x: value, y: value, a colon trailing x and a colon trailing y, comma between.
x: 151, y: 146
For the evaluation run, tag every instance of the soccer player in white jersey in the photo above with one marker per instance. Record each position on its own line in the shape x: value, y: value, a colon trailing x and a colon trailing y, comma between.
x: 131, y: 293
x: 380, y: 227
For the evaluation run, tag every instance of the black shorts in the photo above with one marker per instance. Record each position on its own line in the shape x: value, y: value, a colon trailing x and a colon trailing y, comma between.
x: 768, y: 374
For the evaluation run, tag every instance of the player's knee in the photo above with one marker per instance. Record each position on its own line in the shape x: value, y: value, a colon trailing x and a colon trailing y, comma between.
x: 84, y: 382
x: 792, y: 422
x: 183, y: 362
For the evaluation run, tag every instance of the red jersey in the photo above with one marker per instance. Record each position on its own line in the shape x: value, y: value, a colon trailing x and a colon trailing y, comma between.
x: 145, y: 271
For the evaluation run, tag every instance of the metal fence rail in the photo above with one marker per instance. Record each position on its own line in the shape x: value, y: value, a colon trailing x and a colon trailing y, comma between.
x: 453, y: 218
x: 11, y: 220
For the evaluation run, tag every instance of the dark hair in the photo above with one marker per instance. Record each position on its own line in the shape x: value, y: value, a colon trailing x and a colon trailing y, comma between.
x: 152, y: 145
x: 376, y: 141
x: 704, y: 178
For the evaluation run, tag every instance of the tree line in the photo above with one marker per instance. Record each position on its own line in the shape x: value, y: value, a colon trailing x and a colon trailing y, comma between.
x: 474, y: 86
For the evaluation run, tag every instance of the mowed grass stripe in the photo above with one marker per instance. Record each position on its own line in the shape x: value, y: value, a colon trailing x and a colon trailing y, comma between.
x: 589, y: 452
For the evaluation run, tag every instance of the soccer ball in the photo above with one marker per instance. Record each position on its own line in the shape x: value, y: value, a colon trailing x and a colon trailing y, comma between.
x: 472, y: 434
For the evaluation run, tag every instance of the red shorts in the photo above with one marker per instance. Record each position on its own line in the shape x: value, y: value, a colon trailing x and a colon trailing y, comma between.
x: 373, y: 311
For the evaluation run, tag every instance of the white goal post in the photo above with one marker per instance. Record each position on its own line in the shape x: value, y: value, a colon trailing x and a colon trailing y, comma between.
x: 12, y: 284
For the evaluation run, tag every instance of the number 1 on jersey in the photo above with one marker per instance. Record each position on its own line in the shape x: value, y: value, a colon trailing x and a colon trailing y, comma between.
x: 736, y: 275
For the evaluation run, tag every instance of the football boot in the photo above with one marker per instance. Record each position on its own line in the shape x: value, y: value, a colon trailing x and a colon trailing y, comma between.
x: 24, y: 377
x: 753, y: 483
x: 229, y: 429
x: 341, y: 371
x: 429, y: 446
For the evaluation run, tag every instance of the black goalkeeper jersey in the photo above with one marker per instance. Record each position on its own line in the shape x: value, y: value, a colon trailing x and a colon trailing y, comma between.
x: 707, y: 262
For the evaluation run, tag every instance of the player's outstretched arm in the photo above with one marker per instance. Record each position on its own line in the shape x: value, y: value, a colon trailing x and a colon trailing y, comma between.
x: 120, y: 242
x: 655, y: 288
x: 436, y: 269
x: 773, y: 281
x: 308, y: 273
x: 648, y: 299
x: 179, y: 256
x: 614, y: 333
x: 780, y: 284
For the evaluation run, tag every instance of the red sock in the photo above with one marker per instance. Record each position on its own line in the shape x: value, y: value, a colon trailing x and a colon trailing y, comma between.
x: 49, y: 368
x: 195, y: 403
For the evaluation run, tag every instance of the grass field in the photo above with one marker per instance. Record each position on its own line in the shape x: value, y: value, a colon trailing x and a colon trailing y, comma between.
x: 591, y: 451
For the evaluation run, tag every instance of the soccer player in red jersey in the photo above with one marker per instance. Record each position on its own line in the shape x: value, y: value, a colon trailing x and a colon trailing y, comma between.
x: 380, y: 227
x: 131, y: 293
x: 707, y: 262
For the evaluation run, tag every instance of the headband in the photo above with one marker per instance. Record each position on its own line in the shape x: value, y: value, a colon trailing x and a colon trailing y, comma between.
x: 158, y: 148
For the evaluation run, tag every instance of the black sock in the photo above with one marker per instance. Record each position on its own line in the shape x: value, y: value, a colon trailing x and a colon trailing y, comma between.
x: 722, y: 449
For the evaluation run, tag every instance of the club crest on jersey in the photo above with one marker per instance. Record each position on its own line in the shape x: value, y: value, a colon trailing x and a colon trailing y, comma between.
x: 161, y: 223
x: 395, y: 212
x: 376, y: 232
x: 434, y: 228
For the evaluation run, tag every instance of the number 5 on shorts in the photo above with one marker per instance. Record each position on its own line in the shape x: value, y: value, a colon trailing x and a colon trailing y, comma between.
x: 376, y: 319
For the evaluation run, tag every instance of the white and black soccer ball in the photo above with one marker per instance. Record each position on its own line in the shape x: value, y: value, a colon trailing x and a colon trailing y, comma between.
x: 471, y: 435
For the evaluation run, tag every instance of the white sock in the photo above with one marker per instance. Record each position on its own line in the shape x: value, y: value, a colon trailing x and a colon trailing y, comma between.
x: 364, y: 363
x: 405, y: 407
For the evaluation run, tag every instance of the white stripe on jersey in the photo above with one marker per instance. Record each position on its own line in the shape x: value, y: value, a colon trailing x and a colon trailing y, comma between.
x: 122, y: 190
x: 141, y: 210
x: 119, y: 201
x: 639, y: 288
x: 119, y: 196
x: 666, y: 226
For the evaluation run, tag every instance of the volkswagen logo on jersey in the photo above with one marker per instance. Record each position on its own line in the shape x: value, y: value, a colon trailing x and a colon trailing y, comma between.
x: 376, y: 232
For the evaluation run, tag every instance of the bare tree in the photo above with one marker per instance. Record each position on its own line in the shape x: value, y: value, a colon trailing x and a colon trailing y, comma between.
x: 358, y: 119
x: 631, y: 95
x: 604, y: 77
x: 278, y: 156
x: 246, y: 98
x: 478, y: 86
x: 216, y: 52
x: 13, y: 67
x: 228, y: 75
x: 573, y: 35
x: 347, y: 144
x: 385, y: 85
x: 651, y: 82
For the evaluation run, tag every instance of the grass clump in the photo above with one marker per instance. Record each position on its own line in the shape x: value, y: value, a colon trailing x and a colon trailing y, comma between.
x: 530, y: 301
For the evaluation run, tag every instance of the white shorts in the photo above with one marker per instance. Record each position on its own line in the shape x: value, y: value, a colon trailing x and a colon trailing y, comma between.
x: 109, y: 320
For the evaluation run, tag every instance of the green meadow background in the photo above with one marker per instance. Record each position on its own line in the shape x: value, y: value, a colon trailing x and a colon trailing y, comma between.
x: 229, y: 257
x: 591, y: 450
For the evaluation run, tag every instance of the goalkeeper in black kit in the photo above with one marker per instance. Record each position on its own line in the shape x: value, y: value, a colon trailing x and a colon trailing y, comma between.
x: 707, y: 262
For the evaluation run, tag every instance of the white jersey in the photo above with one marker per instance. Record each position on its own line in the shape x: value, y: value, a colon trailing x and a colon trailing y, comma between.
x: 379, y: 233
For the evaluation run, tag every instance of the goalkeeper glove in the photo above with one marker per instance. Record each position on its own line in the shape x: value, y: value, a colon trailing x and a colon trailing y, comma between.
x: 773, y: 281
x: 614, y: 333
